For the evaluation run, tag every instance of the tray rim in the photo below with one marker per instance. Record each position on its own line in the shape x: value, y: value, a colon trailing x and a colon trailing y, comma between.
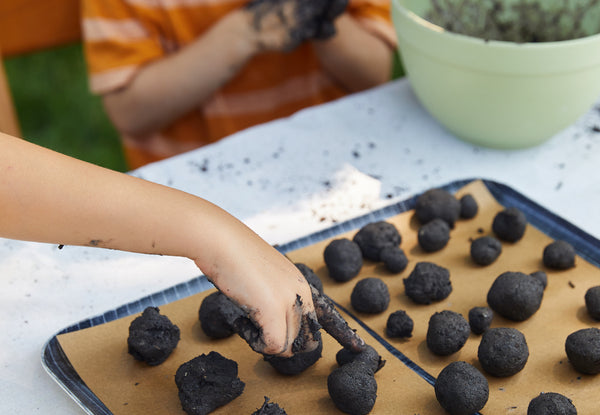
x: 58, y: 367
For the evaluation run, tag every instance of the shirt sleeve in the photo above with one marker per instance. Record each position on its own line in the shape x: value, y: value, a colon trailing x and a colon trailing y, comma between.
x: 375, y: 16
x: 118, y: 39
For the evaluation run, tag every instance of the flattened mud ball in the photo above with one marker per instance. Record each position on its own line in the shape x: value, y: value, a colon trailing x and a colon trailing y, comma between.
x: 310, y: 276
x: 437, y: 203
x: 468, y: 207
x: 515, y: 295
x: 269, y: 408
x: 399, y: 324
x: 485, y: 250
x: 461, y: 389
x: 152, y: 337
x: 447, y: 333
x: 551, y: 403
x: 216, y: 310
x: 343, y: 259
x: 434, y: 235
x: 559, y: 255
x: 428, y: 283
x: 375, y: 236
x: 352, y: 388
x: 299, y: 362
x: 583, y: 350
x: 370, y: 295
x: 369, y: 356
x: 207, y: 382
x: 394, y: 259
x: 480, y: 319
x: 509, y: 225
x: 592, y: 302
x: 541, y: 277
x: 503, y: 351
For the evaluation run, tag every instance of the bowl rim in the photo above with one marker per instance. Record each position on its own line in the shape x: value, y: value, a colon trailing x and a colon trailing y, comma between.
x: 493, y: 43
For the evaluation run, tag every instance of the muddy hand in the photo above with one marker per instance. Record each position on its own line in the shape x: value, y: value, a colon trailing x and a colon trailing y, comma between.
x: 334, y: 324
x: 282, y: 25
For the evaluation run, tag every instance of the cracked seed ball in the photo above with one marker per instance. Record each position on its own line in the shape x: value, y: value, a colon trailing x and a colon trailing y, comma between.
x: 437, y: 203
x: 399, y: 324
x: 269, y: 408
x: 310, y: 276
x: 515, y: 295
x: 461, y: 389
x: 468, y: 207
x: 559, y: 255
x: 352, y: 388
x: 370, y: 295
x: 434, y: 235
x: 207, y: 382
x: 592, y: 302
x: 509, y: 225
x: 503, y: 351
x: 343, y: 259
x: 583, y: 350
x: 428, y: 283
x: 447, y: 333
x: 480, y: 319
x: 152, y: 337
x: 394, y: 259
x: 369, y: 356
x: 541, y: 277
x: 485, y: 250
x: 551, y: 403
x: 375, y: 236
x: 216, y: 310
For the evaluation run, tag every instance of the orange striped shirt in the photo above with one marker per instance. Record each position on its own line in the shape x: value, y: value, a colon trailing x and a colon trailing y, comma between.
x: 120, y: 36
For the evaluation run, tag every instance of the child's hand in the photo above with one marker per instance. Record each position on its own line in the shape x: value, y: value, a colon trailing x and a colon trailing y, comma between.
x: 282, y: 25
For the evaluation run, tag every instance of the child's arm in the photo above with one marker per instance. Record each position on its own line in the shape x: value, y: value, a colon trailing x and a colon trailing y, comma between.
x: 49, y: 197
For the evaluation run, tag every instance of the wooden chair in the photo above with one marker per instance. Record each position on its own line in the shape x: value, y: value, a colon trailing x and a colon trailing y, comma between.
x: 27, y: 26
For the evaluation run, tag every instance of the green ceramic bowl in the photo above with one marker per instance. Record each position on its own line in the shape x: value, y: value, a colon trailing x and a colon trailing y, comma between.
x: 495, y: 93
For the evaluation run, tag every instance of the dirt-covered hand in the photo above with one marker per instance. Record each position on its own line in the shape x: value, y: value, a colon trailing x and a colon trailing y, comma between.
x: 282, y: 25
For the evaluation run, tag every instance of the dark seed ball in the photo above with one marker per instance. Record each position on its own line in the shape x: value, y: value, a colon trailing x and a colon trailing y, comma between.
x: 461, y: 389
x: 437, y: 203
x: 509, y: 225
x: 312, y: 278
x: 216, y: 310
x: 551, y: 403
x: 343, y: 259
x: 447, y: 333
x: 207, y: 382
x: 375, y: 236
x: 592, y: 302
x: 583, y: 350
x: 152, y: 337
x: 370, y: 295
x: 369, y: 356
x: 468, y: 207
x: 394, y: 259
x: 352, y: 388
x: 480, y: 319
x: 541, y: 277
x: 485, y: 250
x: 428, y: 283
x: 503, y: 351
x: 559, y: 255
x: 399, y: 324
x: 269, y: 408
x: 515, y: 295
x: 299, y: 362
x: 434, y: 235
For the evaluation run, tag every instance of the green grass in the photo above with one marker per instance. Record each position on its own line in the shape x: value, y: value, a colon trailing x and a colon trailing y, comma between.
x: 56, y: 109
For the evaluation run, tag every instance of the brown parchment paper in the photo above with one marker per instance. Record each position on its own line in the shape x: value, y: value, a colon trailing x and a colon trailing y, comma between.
x: 99, y: 354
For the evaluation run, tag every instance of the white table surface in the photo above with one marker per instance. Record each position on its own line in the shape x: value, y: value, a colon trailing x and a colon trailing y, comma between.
x: 284, y: 179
